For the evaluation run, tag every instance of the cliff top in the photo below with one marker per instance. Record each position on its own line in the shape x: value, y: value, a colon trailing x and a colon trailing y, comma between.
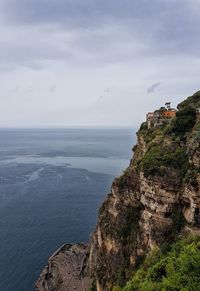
x: 166, y: 149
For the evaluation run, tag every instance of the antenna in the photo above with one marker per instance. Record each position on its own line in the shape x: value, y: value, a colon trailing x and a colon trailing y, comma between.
x: 168, y: 105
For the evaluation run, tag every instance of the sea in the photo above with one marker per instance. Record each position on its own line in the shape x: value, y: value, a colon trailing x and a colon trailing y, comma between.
x: 52, y: 183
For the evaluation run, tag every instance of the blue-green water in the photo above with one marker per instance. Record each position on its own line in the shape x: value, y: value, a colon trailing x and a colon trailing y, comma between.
x: 52, y: 182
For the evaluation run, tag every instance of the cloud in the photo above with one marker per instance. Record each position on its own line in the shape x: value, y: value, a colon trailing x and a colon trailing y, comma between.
x: 84, y: 47
x: 107, y: 91
x: 15, y: 89
x: 53, y: 89
x: 30, y: 89
x: 153, y: 87
x: 34, y: 33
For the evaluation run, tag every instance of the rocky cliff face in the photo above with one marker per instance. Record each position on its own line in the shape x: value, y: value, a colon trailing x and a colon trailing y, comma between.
x: 156, y: 199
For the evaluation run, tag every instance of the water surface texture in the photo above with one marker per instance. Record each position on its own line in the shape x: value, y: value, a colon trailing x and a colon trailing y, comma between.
x: 52, y: 182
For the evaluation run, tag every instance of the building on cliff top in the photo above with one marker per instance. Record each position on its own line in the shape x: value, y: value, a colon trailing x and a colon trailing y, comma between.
x: 157, y: 117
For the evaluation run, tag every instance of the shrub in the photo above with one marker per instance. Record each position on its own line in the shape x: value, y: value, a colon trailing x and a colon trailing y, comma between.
x: 178, y: 222
x: 192, y: 101
x: 191, y: 177
x: 184, y: 121
x: 143, y: 126
x: 197, y: 135
x: 91, y: 289
x: 116, y: 288
x: 179, y: 269
x: 131, y: 222
x: 158, y: 158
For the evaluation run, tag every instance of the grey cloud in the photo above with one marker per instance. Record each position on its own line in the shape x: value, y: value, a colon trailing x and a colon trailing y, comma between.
x: 107, y: 91
x: 101, y: 31
x: 15, y: 89
x: 168, y: 23
x: 153, y: 87
x: 173, y: 18
x: 30, y: 89
x: 53, y: 89
x: 34, y: 49
x: 76, y: 12
x: 87, y: 46
x: 50, y: 44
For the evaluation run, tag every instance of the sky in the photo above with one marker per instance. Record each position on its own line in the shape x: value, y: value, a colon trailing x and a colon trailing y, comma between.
x: 95, y: 62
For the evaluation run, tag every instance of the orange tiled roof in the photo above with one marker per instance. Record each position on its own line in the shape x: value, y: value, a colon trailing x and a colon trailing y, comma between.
x: 169, y: 113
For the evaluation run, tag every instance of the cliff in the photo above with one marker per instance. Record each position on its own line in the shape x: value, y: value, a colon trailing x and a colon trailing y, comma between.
x: 156, y: 199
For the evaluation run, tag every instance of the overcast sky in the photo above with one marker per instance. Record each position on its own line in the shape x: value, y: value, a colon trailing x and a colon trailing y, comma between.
x: 95, y: 62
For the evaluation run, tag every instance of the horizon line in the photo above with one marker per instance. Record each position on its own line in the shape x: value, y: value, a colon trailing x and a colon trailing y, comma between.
x: 64, y: 126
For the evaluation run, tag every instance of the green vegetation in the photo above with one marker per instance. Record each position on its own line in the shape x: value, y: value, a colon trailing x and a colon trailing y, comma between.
x: 166, y: 144
x: 150, y: 134
x: 178, y: 222
x: 158, y: 158
x: 197, y: 135
x: 131, y: 222
x: 120, y: 278
x: 116, y: 288
x: 192, y: 101
x: 191, y: 176
x: 93, y: 287
x: 177, y: 269
x: 143, y: 126
x: 123, y: 178
x: 186, y: 116
x: 184, y: 121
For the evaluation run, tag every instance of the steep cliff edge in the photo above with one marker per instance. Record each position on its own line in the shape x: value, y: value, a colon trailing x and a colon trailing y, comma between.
x: 155, y: 200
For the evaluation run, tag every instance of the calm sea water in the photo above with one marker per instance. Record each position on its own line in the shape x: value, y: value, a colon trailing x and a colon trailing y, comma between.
x: 52, y: 182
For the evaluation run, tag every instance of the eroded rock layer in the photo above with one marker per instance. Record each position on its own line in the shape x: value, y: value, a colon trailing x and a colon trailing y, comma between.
x: 156, y: 199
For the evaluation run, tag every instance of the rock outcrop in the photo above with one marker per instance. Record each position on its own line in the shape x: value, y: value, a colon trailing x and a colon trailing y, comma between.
x: 155, y: 200
x: 66, y: 270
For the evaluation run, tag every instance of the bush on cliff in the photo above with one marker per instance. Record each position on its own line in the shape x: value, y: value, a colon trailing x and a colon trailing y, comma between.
x: 178, y: 269
x: 192, y: 101
x: 158, y: 158
x: 186, y: 116
x: 116, y: 288
x: 184, y: 121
